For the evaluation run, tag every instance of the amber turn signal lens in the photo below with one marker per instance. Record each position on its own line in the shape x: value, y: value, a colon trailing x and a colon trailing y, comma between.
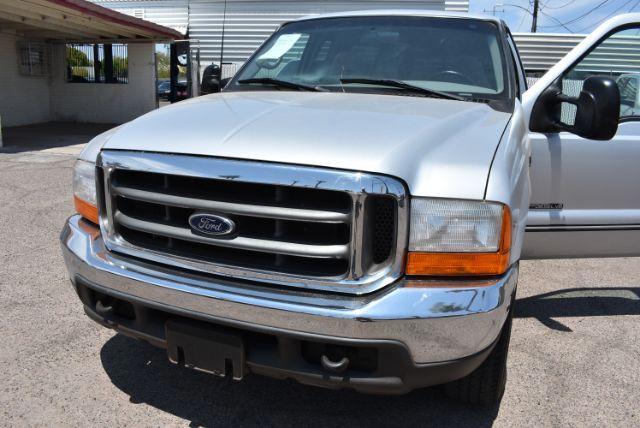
x: 457, y: 264
x: 86, y: 210
x: 465, y: 264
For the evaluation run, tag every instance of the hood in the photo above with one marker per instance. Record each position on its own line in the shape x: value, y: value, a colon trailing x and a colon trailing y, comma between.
x: 438, y: 147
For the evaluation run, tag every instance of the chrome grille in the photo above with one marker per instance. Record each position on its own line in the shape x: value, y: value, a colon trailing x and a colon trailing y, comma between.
x: 296, y: 226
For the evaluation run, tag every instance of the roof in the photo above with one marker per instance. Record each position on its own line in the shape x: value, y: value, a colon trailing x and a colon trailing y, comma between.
x: 404, y: 12
x: 77, y: 20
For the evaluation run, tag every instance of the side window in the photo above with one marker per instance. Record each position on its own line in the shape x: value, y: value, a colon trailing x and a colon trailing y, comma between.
x: 618, y: 57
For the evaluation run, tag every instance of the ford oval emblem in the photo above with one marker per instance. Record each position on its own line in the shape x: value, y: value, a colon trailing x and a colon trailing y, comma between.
x: 211, y: 224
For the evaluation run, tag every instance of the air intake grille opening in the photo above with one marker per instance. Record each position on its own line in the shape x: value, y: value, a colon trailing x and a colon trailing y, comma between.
x: 384, y: 228
x: 240, y: 258
x: 152, y: 211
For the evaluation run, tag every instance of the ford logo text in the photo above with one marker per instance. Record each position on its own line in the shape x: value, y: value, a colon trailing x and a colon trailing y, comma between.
x: 211, y: 224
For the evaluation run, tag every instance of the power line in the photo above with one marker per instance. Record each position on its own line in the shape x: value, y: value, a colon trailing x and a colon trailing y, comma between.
x: 557, y: 20
x: 494, y: 9
x: 593, y: 9
x: 524, y: 16
x: 546, y: 5
x: 534, y: 14
x: 606, y: 17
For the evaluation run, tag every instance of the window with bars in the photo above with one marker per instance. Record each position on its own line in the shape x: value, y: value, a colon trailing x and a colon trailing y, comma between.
x: 33, y: 59
x: 97, y: 63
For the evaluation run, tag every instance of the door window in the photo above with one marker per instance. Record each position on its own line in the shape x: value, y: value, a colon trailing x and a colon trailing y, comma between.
x: 618, y: 57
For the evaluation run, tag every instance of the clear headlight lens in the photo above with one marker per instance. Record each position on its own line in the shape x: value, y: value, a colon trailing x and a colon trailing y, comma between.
x: 84, y: 181
x: 447, y: 226
x: 456, y: 237
x: 84, y: 190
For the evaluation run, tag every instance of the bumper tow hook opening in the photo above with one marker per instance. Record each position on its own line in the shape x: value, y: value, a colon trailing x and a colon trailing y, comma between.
x: 334, y: 366
x: 103, y: 309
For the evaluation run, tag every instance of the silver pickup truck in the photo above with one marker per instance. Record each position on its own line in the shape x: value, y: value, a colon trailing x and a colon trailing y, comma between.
x: 350, y: 211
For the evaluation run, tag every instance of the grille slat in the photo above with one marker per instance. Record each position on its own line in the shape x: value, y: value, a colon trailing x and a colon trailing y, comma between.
x: 294, y: 226
x: 263, y: 211
x: 251, y: 244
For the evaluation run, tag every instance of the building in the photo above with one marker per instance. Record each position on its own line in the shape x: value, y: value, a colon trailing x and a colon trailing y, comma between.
x: 540, y: 51
x: 619, y: 54
x: 71, y: 60
x: 248, y: 22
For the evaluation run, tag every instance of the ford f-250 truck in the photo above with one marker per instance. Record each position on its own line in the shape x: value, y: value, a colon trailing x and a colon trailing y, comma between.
x: 350, y: 211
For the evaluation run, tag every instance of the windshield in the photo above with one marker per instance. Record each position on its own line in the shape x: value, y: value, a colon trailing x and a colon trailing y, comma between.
x: 461, y: 57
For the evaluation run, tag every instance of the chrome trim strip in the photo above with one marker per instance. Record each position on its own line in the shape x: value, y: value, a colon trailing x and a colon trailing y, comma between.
x: 582, y: 228
x: 263, y: 211
x: 357, y: 236
x: 357, y: 184
x: 438, y: 320
x: 274, y: 247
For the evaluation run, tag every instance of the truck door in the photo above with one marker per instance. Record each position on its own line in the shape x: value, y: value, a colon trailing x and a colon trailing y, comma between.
x: 585, y: 199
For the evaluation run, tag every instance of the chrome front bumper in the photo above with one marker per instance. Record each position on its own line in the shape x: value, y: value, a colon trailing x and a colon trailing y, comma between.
x: 448, y: 320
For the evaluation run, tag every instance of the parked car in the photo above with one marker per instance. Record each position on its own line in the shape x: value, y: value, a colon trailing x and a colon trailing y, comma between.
x: 182, y: 91
x: 164, y: 90
x: 351, y: 210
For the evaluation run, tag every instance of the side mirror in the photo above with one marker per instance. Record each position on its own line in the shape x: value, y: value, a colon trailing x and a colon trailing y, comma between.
x: 224, y: 82
x: 597, y: 110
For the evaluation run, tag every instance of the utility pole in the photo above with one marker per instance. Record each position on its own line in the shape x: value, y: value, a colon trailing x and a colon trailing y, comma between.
x: 534, y: 22
x: 495, y: 9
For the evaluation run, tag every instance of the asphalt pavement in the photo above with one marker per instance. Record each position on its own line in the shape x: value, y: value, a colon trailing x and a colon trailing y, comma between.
x: 574, y: 358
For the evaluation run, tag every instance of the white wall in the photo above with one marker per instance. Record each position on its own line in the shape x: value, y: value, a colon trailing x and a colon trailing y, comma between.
x: 23, y: 99
x: 101, y: 102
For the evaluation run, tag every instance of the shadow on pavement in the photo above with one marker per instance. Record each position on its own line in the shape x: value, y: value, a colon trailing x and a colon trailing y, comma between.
x: 144, y: 373
x: 49, y: 135
x: 578, y: 302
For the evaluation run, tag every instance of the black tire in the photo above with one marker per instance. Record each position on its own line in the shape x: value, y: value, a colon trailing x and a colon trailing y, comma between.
x: 486, y: 384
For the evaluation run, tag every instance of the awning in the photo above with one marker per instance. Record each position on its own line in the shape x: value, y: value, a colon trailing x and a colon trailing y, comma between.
x: 77, y: 20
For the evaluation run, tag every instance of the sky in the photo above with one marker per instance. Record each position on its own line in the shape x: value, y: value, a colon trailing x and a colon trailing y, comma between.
x: 555, y: 16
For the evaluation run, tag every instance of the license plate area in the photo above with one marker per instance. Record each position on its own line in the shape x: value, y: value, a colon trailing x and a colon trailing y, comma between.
x: 205, y: 349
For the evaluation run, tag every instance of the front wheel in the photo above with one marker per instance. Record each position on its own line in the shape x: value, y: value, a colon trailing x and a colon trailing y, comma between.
x: 486, y: 384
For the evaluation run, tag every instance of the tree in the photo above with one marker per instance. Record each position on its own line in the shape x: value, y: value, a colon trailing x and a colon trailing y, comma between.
x: 163, y: 62
x: 77, y: 58
x: 120, y: 66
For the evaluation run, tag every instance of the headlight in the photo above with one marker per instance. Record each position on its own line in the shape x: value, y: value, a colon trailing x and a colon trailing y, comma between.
x: 454, y: 237
x: 84, y: 190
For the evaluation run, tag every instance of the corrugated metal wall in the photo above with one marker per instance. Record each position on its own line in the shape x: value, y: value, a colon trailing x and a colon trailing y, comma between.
x: 249, y: 22
x: 619, y: 54
x: 540, y: 51
x: 170, y: 13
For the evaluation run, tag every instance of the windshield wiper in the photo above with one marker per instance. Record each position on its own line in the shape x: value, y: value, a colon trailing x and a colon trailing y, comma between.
x: 281, y: 83
x: 404, y: 85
